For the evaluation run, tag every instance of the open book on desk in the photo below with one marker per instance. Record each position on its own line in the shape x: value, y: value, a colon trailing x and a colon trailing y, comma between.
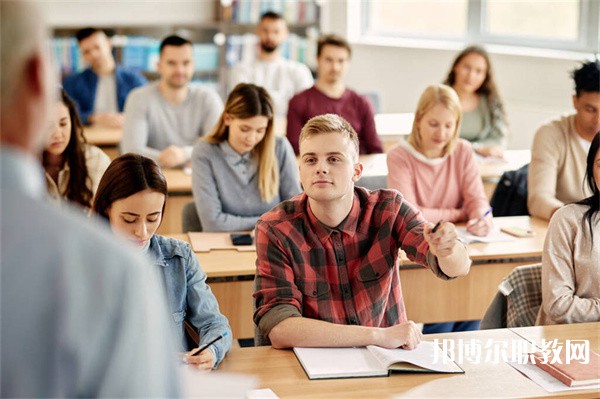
x: 373, y: 361
x: 495, y: 235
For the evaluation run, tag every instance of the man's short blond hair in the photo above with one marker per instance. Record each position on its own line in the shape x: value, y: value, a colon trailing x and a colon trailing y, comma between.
x: 330, y: 123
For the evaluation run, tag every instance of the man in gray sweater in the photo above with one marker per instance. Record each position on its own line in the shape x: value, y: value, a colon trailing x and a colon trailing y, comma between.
x: 163, y: 119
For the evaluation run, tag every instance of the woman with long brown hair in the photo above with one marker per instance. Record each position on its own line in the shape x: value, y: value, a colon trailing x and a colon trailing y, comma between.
x: 241, y: 170
x: 73, y: 167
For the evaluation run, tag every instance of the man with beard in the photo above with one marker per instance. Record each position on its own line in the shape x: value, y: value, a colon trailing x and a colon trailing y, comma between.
x: 330, y: 95
x: 282, y: 78
x: 163, y: 119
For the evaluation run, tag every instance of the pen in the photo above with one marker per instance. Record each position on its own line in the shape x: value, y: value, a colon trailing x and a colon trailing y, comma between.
x: 203, y: 348
x: 437, y: 225
x: 486, y: 213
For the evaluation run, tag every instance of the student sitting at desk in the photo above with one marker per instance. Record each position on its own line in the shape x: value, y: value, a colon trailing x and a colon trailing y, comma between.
x: 436, y: 170
x: 484, y: 120
x: 571, y: 257
x: 132, y: 196
x: 241, y: 170
x: 560, y: 146
x: 327, y: 269
x: 72, y: 167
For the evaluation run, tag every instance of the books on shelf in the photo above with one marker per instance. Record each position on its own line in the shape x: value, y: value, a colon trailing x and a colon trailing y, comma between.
x: 293, y: 11
x: 373, y: 361
x: 140, y: 53
x: 573, y: 373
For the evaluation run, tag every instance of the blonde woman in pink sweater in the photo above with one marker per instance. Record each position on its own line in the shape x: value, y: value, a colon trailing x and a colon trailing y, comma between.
x: 436, y: 171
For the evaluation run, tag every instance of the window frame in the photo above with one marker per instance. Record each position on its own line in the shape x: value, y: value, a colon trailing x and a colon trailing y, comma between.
x: 588, y: 40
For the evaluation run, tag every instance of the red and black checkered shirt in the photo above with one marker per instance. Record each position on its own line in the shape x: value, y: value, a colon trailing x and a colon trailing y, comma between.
x: 344, y: 275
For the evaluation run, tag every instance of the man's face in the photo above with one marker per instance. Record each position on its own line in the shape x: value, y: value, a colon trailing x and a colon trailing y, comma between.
x: 176, y: 65
x: 271, y: 33
x: 328, y: 167
x: 96, y: 50
x: 587, y: 119
x: 333, y: 63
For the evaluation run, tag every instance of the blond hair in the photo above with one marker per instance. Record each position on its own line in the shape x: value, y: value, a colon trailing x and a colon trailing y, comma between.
x: 247, y: 101
x: 432, y: 96
x: 330, y: 123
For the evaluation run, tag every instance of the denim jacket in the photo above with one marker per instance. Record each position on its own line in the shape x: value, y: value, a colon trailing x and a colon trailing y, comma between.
x: 188, y: 295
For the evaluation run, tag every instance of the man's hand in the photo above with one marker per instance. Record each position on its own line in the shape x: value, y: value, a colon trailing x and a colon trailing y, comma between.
x: 171, y: 157
x: 441, y: 243
x: 405, y: 335
x: 109, y: 119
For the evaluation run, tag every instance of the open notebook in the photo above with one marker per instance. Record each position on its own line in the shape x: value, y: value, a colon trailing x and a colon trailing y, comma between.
x: 495, y: 235
x: 373, y: 361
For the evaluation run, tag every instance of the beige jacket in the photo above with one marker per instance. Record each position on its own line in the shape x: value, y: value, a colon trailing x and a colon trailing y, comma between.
x: 96, y: 160
x: 557, y: 169
x: 570, y: 269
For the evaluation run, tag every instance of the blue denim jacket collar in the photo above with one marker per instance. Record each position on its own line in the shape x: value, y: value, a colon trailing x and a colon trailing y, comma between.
x: 164, y: 250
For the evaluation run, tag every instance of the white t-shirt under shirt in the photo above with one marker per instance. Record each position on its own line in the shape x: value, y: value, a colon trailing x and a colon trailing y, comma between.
x: 106, y: 95
x: 282, y: 78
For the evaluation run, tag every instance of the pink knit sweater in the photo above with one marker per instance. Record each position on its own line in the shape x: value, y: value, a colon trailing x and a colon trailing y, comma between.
x: 447, y: 188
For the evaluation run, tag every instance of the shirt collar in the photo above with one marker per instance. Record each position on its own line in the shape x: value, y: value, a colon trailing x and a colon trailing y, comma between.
x: 20, y: 171
x: 347, y: 226
x: 232, y: 157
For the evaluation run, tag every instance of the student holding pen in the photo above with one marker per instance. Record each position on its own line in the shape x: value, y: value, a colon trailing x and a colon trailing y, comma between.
x: 131, y: 196
x: 436, y: 171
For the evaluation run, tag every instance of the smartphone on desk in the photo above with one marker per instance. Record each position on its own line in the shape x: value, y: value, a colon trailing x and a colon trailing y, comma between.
x: 241, y: 239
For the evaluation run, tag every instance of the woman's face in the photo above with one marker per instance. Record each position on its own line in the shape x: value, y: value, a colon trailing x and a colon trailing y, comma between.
x: 138, y: 216
x: 245, y: 134
x: 470, y: 73
x: 436, y: 128
x: 60, y: 130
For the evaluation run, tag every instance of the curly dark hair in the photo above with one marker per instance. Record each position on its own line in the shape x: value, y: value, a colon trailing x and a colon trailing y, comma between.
x: 587, y: 77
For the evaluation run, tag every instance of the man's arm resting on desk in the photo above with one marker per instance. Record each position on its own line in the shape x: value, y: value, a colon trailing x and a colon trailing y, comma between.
x: 296, y: 330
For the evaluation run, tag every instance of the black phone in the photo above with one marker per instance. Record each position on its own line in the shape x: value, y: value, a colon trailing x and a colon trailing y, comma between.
x: 241, y: 239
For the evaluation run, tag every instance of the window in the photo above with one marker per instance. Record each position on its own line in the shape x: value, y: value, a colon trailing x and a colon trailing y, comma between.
x: 555, y: 24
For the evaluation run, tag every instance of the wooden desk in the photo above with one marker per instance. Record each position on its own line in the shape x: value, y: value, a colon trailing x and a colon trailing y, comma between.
x: 104, y: 137
x: 427, y: 298
x: 589, y: 331
x: 179, y: 183
x: 281, y: 371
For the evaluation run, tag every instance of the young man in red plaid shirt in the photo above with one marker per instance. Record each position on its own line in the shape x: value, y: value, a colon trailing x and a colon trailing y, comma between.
x: 327, y: 269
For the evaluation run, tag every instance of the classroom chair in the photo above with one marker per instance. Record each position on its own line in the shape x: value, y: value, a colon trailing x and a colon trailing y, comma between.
x: 518, y: 299
x: 189, y: 218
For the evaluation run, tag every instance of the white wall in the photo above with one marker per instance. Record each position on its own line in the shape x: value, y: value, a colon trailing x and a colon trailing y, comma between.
x: 75, y: 13
x: 534, y: 89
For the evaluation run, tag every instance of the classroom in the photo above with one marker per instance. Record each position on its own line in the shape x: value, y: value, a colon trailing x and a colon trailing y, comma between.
x: 287, y: 198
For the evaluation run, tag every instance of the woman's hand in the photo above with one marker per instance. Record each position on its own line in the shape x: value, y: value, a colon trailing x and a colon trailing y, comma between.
x: 204, y: 361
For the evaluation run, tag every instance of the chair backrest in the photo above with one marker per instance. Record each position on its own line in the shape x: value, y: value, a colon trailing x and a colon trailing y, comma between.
x: 189, y: 218
x: 510, y: 195
x: 518, y: 300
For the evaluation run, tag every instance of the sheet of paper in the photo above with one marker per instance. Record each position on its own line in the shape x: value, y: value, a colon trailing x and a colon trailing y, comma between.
x: 261, y: 394
x: 545, y: 380
x: 495, y: 235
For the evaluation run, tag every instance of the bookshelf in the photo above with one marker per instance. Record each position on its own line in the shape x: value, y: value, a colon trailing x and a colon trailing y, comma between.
x: 218, y: 43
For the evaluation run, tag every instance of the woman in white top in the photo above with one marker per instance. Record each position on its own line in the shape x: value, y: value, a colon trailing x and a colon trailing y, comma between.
x: 571, y: 257
x: 72, y: 167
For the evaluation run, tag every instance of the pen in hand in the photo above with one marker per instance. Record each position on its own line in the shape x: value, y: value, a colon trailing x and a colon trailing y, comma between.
x: 437, y: 226
x: 204, y: 347
x: 486, y: 213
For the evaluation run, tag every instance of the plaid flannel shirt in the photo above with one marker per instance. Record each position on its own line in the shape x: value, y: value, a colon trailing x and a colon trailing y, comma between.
x: 345, y: 275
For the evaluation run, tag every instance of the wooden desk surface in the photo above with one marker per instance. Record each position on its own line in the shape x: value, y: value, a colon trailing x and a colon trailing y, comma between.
x: 179, y: 180
x: 102, y: 136
x: 281, y: 371
x: 226, y: 263
x: 579, y: 331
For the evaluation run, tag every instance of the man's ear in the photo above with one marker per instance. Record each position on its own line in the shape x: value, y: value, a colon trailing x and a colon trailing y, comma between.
x: 358, y: 170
